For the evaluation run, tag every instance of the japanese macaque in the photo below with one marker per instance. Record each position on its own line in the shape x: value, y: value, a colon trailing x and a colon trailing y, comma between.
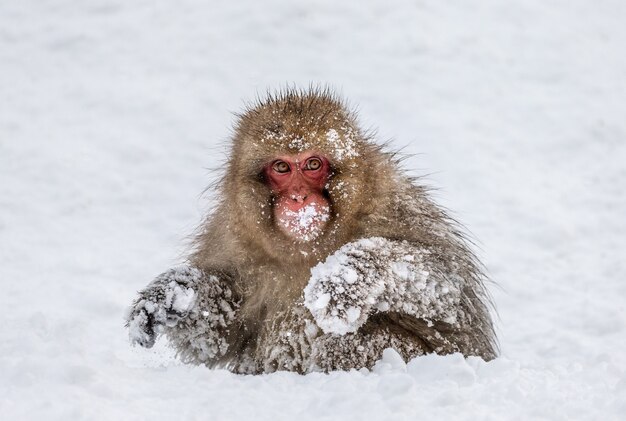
x: 320, y: 254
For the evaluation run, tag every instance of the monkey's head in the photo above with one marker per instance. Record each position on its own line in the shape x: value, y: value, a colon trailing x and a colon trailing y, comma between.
x: 301, y: 175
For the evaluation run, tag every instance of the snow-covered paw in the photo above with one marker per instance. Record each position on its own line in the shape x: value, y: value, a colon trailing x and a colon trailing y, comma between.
x: 141, y: 326
x: 164, y: 302
x: 342, y: 291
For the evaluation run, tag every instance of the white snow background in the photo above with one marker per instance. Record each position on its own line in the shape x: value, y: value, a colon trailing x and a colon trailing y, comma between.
x: 111, y: 113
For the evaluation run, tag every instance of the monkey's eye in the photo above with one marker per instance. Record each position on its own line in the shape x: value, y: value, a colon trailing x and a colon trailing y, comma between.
x: 313, y: 164
x: 280, y: 167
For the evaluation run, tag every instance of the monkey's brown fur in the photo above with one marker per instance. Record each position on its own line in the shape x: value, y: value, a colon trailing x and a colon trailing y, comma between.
x: 369, y: 196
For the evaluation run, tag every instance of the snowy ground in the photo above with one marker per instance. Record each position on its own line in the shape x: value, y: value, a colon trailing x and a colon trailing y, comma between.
x: 111, y: 113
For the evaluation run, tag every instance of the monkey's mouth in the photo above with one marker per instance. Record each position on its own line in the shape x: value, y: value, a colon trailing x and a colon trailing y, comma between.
x: 304, y: 224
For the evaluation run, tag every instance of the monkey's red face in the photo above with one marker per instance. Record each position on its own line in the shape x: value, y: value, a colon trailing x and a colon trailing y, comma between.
x: 301, y: 209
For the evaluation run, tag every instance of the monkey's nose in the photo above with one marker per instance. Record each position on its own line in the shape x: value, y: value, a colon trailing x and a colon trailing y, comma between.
x: 299, y: 198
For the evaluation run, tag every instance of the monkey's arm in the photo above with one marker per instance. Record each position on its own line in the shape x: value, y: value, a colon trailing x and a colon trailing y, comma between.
x: 379, y: 275
x: 193, y: 308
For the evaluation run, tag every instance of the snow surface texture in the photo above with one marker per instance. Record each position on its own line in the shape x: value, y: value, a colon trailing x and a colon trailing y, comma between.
x: 111, y: 111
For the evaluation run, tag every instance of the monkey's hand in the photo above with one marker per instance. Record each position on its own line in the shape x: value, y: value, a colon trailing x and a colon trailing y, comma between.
x: 379, y: 275
x: 163, y: 303
x: 344, y: 288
